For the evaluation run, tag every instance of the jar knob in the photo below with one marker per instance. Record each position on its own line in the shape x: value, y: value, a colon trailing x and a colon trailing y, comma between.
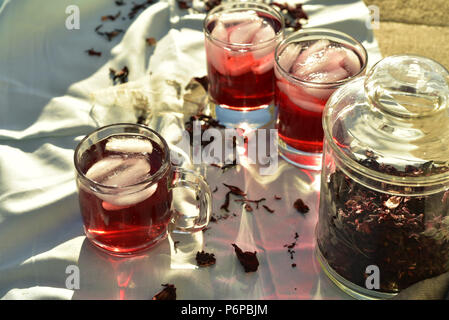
x: 406, y: 86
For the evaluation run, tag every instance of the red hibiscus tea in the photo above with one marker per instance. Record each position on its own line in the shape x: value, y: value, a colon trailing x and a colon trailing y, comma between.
x: 125, y: 181
x: 310, y: 66
x: 240, y: 42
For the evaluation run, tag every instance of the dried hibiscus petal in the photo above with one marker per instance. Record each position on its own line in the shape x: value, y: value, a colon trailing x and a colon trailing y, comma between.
x: 204, y: 259
x: 168, y: 293
x: 92, y: 52
x: 247, y: 259
x: 138, y: 7
x: 252, y: 201
x: 110, y: 17
x: 235, y: 190
x: 120, y: 76
x: 268, y: 209
x: 301, y: 206
x: 151, y: 41
x: 225, y: 205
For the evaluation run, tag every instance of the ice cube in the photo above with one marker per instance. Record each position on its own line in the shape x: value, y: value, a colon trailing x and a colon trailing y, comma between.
x: 244, y: 32
x: 100, y: 170
x: 265, y: 33
x: 319, y: 62
x: 289, y: 56
x: 216, y: 53
x: 132, y: 170
x: 335, y: 75
x: 129, y: 145
x: 298, y: 97
x: 237, y: 17
x: 118, y: 202
x: 239, y: 63
x: 219, y: 32
x: 216, y: 56
x: 316, y: 48
x: 264, y: 64
x: 351, y: 62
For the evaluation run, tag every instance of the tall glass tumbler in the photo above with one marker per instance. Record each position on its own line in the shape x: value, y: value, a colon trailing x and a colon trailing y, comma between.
x: 310, y: 65
x: 240, y: 40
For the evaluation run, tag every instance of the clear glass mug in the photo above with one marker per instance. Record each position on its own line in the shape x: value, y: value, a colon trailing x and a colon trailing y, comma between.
x: 125, y: 182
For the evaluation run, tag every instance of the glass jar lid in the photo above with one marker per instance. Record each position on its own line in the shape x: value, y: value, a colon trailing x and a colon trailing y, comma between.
x: 393, y: 124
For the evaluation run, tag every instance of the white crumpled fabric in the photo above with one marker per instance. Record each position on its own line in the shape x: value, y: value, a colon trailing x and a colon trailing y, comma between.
x: 48, y: 87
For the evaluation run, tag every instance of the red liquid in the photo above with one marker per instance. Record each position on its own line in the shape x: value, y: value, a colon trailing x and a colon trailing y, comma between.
x: 300, y: 128
x: 128, y: 227
x: 247, y: 91
x: 242, y: 80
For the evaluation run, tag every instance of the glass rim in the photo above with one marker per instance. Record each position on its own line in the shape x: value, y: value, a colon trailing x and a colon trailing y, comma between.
x: 405, y: 181
x: 154, y: 178
x: 321, y: 85
x: 262, y: 6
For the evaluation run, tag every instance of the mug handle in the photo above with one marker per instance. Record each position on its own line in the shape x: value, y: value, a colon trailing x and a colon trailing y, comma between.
x: 183, y: 178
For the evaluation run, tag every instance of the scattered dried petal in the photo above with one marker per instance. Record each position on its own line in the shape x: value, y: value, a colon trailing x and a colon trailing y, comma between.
x: 235, y: 190
x: 204, y: 259
x: 139, y: 7
x: 268, y: 209
x: 151, y: 41
x: 168, y: 293
x: 92, y: 52
x: 120, y: 76
x: 247, y: 259
x: 301, y: 206
x: 110, y: 17
x: 225, y: 205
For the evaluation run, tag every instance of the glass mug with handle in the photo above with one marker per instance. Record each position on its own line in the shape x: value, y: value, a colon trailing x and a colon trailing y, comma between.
x: 125, y: 182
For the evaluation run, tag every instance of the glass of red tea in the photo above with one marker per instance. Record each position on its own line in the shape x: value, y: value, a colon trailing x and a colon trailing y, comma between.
x: 125, y: 182
x: 240, y: 39
x: 310, y: 65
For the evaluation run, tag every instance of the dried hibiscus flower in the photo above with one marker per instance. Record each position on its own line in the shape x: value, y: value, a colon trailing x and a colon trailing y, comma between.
x: 168, y: 293
x: 301, y: 206
x: 92, y: 52
x: 268, y: 208
x: 247, y: 259
x: 120, y: 76
x: 151, y: 41
x: 235, y: 190
x: 110, y: 17
x: 204, y: 259
x: 138, y: 7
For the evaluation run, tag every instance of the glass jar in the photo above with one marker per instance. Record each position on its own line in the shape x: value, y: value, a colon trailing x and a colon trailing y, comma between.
x: 384, y: 204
